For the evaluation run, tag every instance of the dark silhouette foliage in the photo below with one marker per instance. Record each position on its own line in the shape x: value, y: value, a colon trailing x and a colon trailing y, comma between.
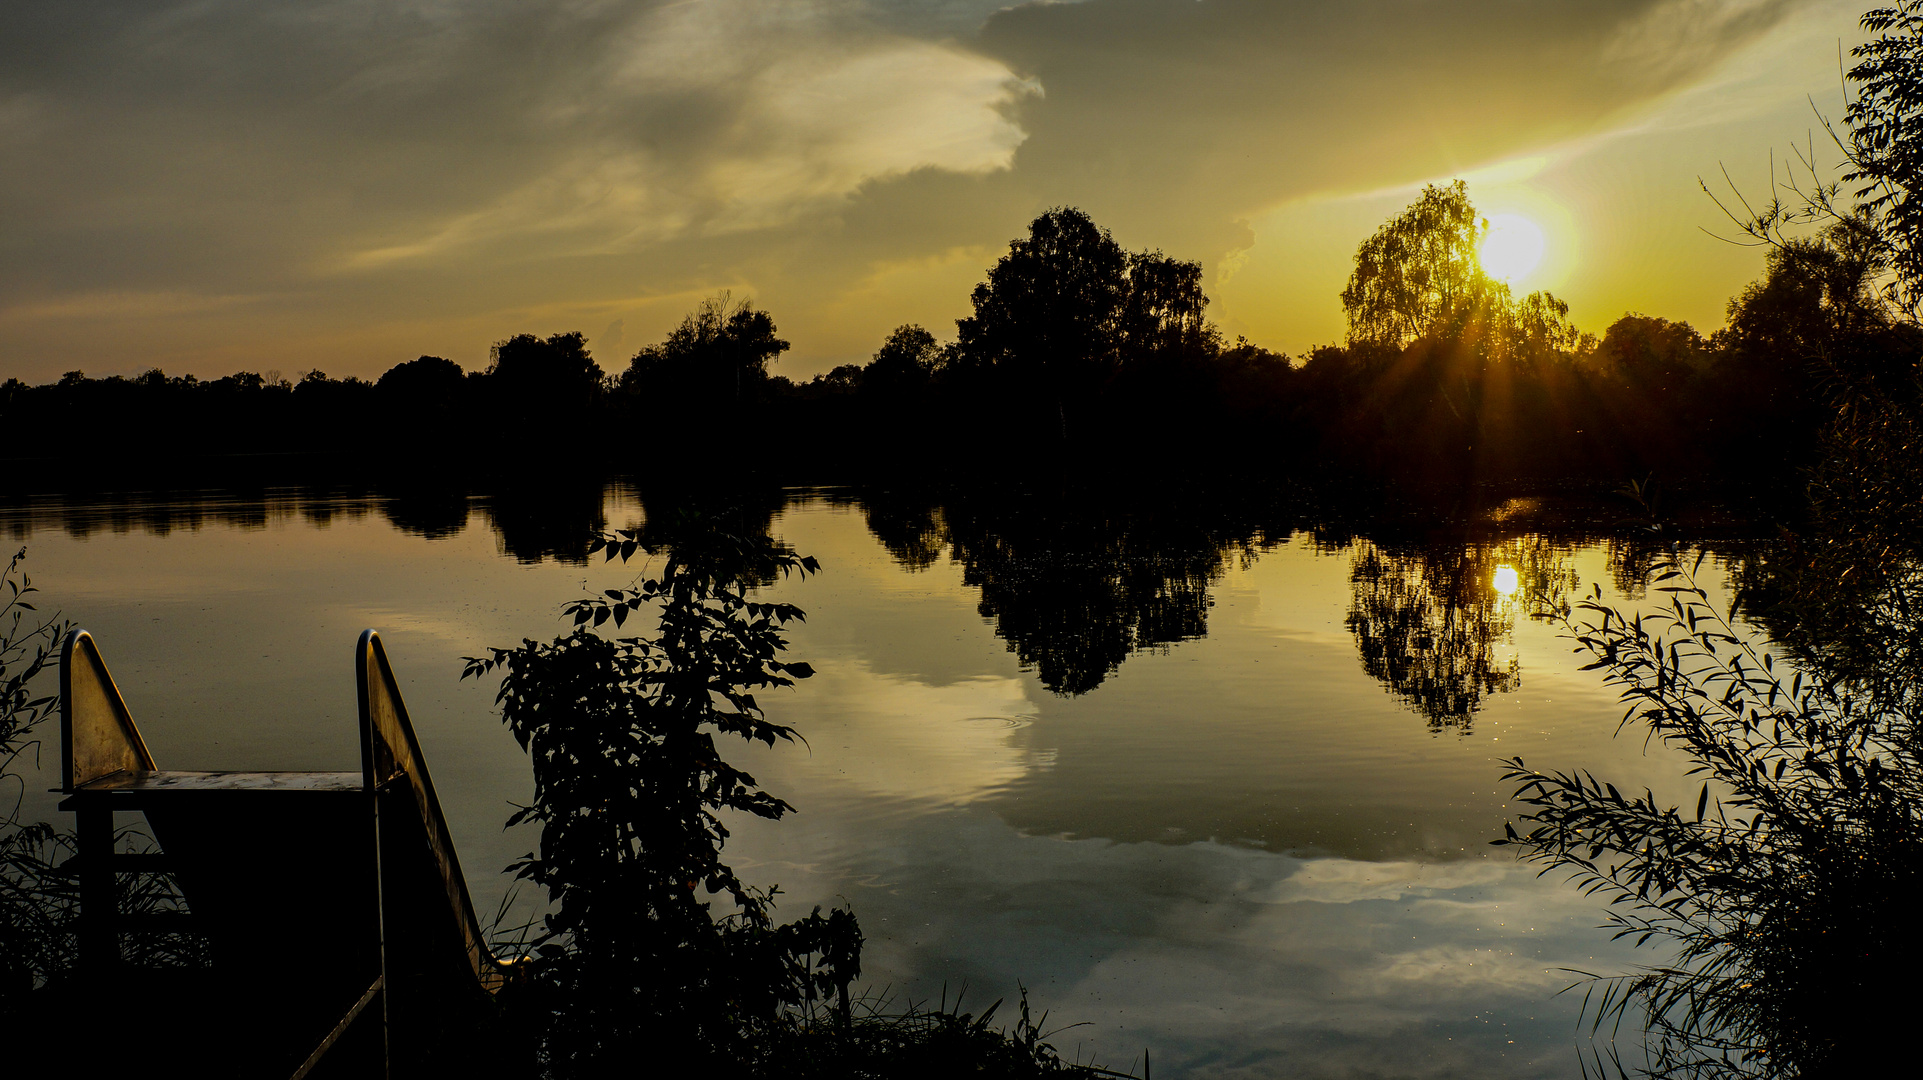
x: 1652, y: 358
x: 1078, y: 354
x: 428, y: 381
x: 905, y: 365
x: 721, y: 351
x: 1065, y: 313
x: 534, y: 384
x: 1885, y: 144
x: 41, y: 988
x: 1049, y: 313
x: 36, y: 941
x: 557, y: 371
x: 1787, y: 890
x: 629, y: 789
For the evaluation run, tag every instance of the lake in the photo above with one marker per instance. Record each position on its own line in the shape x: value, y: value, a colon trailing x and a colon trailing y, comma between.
x: 1218, y: 783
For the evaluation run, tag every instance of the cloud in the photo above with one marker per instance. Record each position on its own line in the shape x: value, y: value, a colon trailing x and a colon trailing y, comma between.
x: 1348, y: 881
x: 1213, y: 956
x: 908, y: 741
x: 1232, y: 106
x: 714, y: 118
x: 344, y: 136
x: 1677, y: 38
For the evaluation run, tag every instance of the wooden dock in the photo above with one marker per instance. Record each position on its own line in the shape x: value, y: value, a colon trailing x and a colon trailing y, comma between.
x: 340, y: 932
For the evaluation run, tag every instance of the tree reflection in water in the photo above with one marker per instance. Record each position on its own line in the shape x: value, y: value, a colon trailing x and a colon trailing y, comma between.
x: 552, y: 520
x: 1432, y: 621
x: 1076, y: 589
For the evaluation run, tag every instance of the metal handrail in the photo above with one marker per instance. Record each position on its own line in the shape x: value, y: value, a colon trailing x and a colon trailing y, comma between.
x: 98, y: 736
x: 391, y: 754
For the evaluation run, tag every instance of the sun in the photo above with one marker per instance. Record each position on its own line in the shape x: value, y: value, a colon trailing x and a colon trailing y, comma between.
x: 1511, y: 248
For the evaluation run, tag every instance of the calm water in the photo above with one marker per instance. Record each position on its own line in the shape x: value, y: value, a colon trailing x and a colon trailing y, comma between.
x: 1219, y: 790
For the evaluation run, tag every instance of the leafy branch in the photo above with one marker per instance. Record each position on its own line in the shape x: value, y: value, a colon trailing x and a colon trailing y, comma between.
x: 1784, y: 889
x: 630, y: 789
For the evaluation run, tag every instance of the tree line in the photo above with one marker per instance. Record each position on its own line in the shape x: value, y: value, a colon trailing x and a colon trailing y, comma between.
x: 1078, y: 348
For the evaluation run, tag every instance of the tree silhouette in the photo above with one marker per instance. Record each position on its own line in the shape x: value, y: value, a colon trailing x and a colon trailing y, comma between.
x: 721, y: 348
x: 1163, y: 314
x: 1652, y: 356
x: 429, y: 379
x: 1047, y: 317
x: 905, y: 363
x: 540, y: 375
x: 1066, y: 310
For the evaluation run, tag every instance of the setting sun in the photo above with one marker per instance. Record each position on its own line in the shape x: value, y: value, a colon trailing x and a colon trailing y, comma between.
x: 1511, y: 248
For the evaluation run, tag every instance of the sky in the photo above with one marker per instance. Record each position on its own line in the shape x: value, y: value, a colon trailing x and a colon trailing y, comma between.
x: 207, y: 186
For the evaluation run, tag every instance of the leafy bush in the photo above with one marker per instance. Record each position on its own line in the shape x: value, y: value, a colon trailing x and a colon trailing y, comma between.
x: 32, y: 946
x: 629, y: 788
x: 1787, y: 891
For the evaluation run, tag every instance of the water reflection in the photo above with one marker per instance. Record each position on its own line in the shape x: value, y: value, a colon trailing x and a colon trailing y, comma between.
x: 1076, y: 588
x: 551, y: 521
x: 1125, y: 843
x: 433, y: 513
x: 1428, y: 623
x: 1434, y: 621
x: 1074, y: 583
x: 531, y: 522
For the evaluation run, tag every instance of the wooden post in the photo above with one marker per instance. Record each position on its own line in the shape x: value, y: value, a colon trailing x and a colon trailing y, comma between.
x: 99, y: 892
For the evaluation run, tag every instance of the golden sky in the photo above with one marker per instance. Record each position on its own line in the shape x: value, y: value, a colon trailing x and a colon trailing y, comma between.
x: 209, y: 186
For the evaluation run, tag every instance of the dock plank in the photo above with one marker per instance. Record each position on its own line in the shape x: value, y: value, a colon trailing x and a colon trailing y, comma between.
x: 154, y: 782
